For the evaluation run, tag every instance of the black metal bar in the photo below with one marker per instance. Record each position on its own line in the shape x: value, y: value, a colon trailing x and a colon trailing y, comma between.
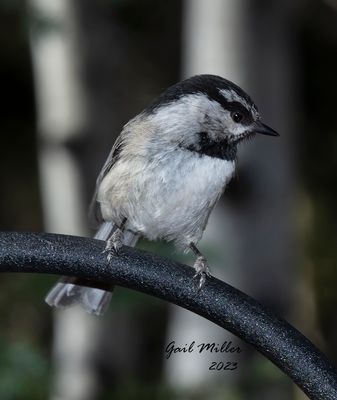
x: 226, y: 306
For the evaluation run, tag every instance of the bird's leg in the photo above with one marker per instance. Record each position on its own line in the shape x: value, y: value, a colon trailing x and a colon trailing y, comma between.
x: 115, y: 241
x: 200, y: 266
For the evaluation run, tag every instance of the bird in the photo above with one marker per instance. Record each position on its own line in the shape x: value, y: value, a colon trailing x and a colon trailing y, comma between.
x: 164, y: 174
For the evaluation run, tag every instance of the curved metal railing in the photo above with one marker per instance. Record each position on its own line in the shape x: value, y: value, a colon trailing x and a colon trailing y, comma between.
x: 219, y: 302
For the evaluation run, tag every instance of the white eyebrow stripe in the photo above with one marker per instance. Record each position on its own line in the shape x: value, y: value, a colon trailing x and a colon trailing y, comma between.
x: 231, y: 95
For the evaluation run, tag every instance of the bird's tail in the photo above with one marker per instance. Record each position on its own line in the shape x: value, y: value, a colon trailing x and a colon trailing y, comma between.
x: 94, y: 297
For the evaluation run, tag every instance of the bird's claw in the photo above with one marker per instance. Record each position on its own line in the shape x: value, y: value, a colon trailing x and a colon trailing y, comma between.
x: 114, y: 244
x: 110, y: 253
x: 202, y: 271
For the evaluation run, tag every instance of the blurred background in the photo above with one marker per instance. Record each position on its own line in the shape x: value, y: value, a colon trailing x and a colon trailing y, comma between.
x: 72, y: 74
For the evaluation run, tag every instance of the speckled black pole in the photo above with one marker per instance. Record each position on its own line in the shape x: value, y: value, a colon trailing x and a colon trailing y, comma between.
x: 218, y: 302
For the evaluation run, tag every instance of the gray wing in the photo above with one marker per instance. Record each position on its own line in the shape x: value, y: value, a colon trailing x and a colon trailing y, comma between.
x: 95, y: 215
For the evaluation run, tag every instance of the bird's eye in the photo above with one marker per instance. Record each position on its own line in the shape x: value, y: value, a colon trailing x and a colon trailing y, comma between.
x: 237, y: 116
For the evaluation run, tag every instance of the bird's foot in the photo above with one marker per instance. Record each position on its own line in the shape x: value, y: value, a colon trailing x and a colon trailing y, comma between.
x: 114, y: 244
x: 201, y: 270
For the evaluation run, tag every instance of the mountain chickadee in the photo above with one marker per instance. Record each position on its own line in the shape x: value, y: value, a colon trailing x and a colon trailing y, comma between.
x: 165, y: 173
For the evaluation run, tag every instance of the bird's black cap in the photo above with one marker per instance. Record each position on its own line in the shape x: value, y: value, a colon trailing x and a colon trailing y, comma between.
x: 210, y: 85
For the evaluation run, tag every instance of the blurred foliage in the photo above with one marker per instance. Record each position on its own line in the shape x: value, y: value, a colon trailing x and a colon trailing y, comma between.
x: 24, y: 371
x: 265, y: 380
x: 140, y: 390
x: 319, y: 158
x: 18, y: 156
x: 24, y: 327
x: 260, y: 371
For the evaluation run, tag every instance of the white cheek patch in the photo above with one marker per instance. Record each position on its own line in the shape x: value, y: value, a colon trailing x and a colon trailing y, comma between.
x: 240, y: 130
x: 180, y: 120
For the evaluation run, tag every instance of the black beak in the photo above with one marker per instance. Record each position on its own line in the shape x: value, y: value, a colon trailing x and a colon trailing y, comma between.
x: 265, y: 130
